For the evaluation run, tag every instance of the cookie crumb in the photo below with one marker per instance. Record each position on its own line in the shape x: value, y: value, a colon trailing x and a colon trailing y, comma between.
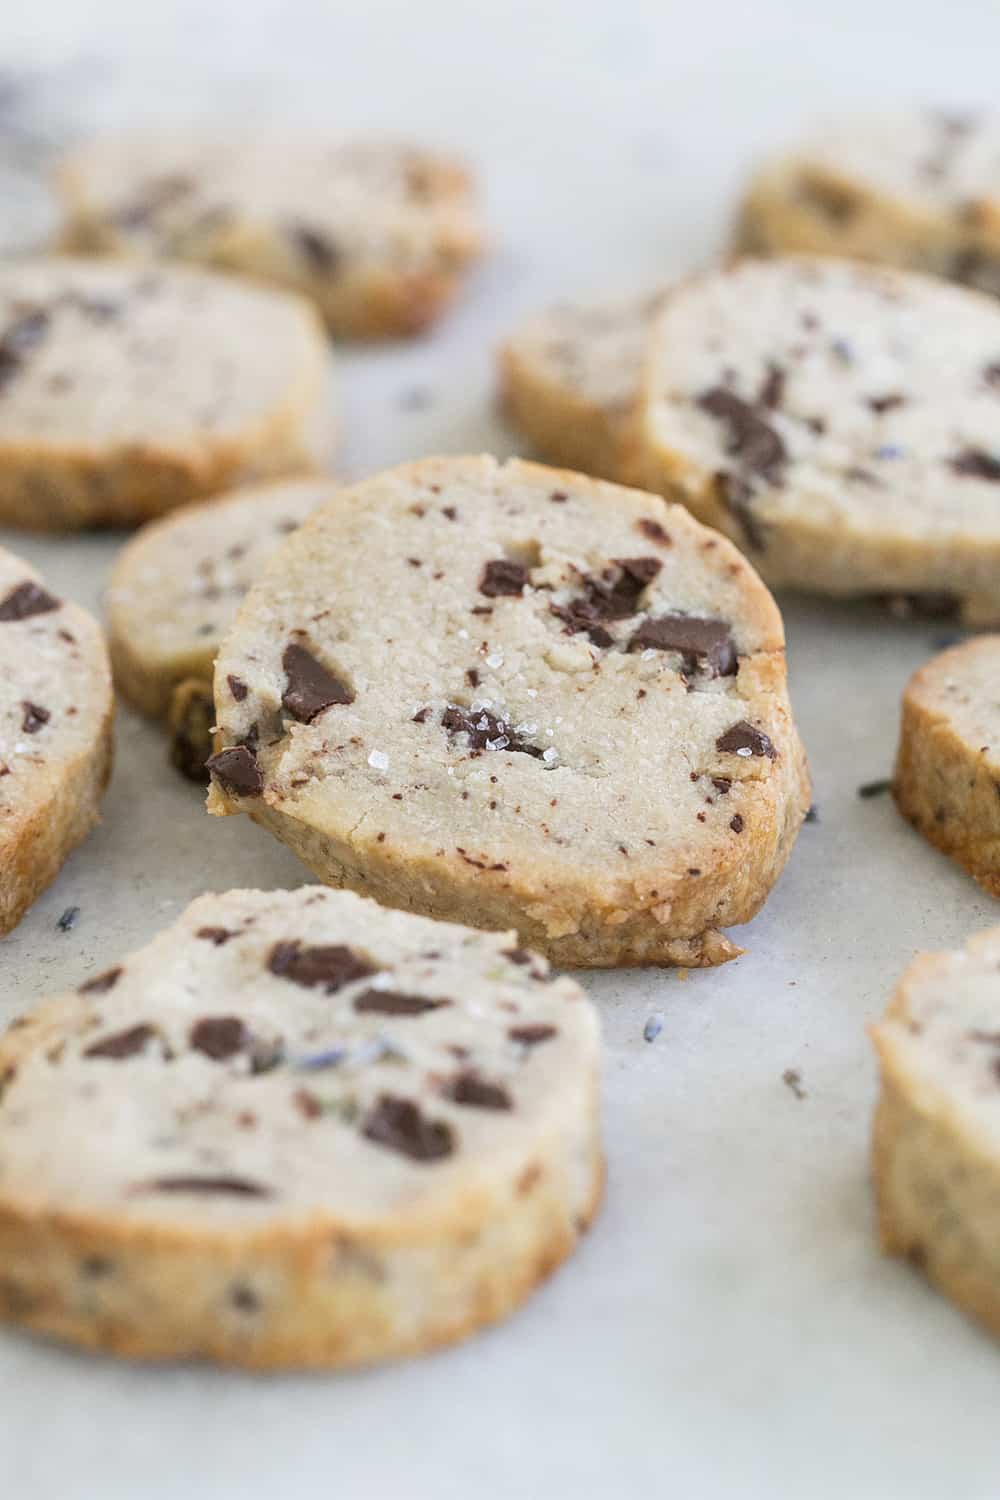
x: 869, y: 789
x: 67, y: 921
x: 652, y: 1028
x: 792, y: 1079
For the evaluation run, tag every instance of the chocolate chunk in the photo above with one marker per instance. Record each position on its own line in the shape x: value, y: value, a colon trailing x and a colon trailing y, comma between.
x: 192, y: 717
x: 654, y: 531
x: 318, y: 249
x: 882, y: 404
x: 722, y: 784
x: 34, y: 717
x: 583, y: 617
x: 216, y: 935
x: 237, y: 772
x: 486, y: 732
x: 531, y: 1036
x: 705, y: 645
x: 237, y: 1187
x: 122, y: 1043
x: 420, y: 717
x: 742, y: 738
x: 25, y: 600
x: 772, y: 388
x: 101, y: 983
x: 753, y: 440
x: 309, y: 686
x: 329, y: 965
x: 736, y: 823
x: 976, y: 463
x: 237, y: 687
x: 502, y: 577
x: 736, y: 494
x: 218, y: 1037
x: 400, y: 1125
x: 396, y: 1003
x: 614, y: 595
x: 468, y: 1088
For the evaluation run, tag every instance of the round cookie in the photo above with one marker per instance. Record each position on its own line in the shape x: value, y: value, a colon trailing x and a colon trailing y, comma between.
x: 174, y: 591
x: 948, y: 762
x: 518, y: 697
x: 841, y: 422
x: 56, y: 709
x: 569, y: 380
x: 296, y: 1130
x: 937, y: 1126
x: 374, y: 232
x: 126, y: 392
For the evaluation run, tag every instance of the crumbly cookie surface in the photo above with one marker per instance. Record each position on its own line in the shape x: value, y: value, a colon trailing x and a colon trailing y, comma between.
x: 376, y: 232
x: 126, y: 392
x: 55, y: 733
x: 296, y: 1129
x: 562, y: 707
x: 839, y: 421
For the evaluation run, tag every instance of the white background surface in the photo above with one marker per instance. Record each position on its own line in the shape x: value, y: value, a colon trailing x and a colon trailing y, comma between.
x: 728, y: 1329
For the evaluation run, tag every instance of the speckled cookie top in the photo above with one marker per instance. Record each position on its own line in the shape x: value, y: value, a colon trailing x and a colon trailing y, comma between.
x: 960, y: 689
x: 552, y: 680
x: 97, y: 353
x: 176, y: 586
x: 833, y: 395
x: 289, y: 1056
x: 55, y: 689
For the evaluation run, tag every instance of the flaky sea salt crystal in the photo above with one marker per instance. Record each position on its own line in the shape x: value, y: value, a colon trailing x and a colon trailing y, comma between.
x: 550, y: 754
x: 378, y: 760
x: 494, y: 660
x: 744, y: 750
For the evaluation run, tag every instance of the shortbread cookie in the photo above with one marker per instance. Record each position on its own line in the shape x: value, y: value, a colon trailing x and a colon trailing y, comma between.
x: 519, y: 697
x: 174, y: 592
x: 376, y: 233
x: 570, y: 378
x: 918, y: 189
x: 56, y: 709
x: 948, y: 763
x: 936, y: 1153
x: 125, y: 392
x: 840, y: 421
x: 296, y: 1129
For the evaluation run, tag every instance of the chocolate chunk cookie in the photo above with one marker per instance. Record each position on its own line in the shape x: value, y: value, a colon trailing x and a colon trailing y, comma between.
x: 919, y: 189
x: 376, y: 233
x: 569, y: 380
x: 936, y: 1158
x: 126, y: 392
x: 520, y: 697
x: 947, y: 779
x: 174, y: 592
x: 296, y: 1130
x: 55, y: 733
x: 840, y: 422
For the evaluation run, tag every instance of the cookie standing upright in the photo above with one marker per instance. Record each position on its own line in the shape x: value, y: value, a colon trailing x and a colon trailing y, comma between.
x: 841, y: 422
x: 376, y: 233
x: 569, y: 380
x: 919, y: 189
x: 127, y: 392
x: 936, y: 1155
x: 296, y: 1130
x: 948, y: 763
x: 519, y: 697
x: 56, y: 709
x: 175, y: 589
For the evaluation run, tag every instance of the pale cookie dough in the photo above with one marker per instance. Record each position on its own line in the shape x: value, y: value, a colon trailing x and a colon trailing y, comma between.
x: 174, y: 591
x: 56, y: 709
x: 519, y: 697
x: 947, y: 779
x: 569, y: 380
x: 125, y: 392
x: 937, y: 1126
x: 296, y: 1130
x: 841, y: 422
x: 375, y: 232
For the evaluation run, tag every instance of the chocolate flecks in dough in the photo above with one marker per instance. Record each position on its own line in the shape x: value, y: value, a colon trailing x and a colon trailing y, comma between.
x: 472, y: 677
x: 218, y: 1037
x: 772, y: 390
x: 420, y: 717
x: 396, y: 1003
x: 486, y: 732
x: 750, y: 437
x: 237, y: 772
x: 216, y: 935
x: 470, y: 1089
x: 331, y: 966
x: 122, y: 1043
x: 26, y: 600
x: 308, y: 1104
x: 17, y: 340
x: 237, y: 687
x: 705, y: 645
x: 558, y: 497
x: 743, y: 739
x: 35, y: 717
x: 736, y: 823
x: 400, y: 1125
x: 101, y: 983
x: 722, y: 784
x: 869, y: 789
x: 976, y: 463
x: 654, y: 532
x: 226, y: 1186
x: 309, y: 686
x: 316, y: 248
x: 518, y: 955
x: 501, y: 576
x: 881, y: 404
x: 532, y: 1035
